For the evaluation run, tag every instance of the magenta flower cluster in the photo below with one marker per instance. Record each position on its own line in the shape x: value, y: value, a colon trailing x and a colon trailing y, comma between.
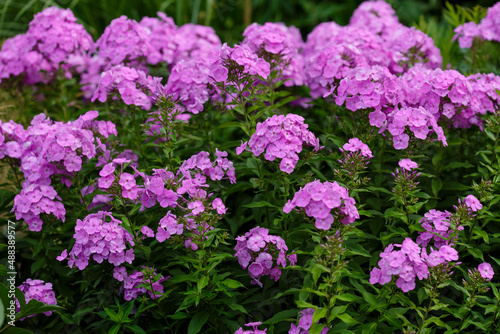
x: 356, y: 147
x: 258, y: 251
x: 130, y: 85
x: 46, y: 149
x: 305, y: 323
x: 319, y: 199
x: 38, y: 290
x: 409, y: 262
x: 101, y: 237
x: 281, y: 137
x: 132, y: 288
x: 243, y: 58
x: 54, y: 42
x: 488, y: 29
x: 254, y: 329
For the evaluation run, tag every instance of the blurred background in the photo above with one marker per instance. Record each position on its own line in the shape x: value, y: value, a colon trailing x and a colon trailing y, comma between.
x: 227, y: 17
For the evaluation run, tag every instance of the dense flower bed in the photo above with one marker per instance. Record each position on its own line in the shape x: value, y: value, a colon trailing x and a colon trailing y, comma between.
x: 161, y: 180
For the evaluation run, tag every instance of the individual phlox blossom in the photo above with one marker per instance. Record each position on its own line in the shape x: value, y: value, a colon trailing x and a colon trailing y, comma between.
x: 282, y: 137
x: 54, y: 41
x: 188, y: 83
x: 305, y: 323
x: 130, y: 85
x: 473, y: 203
x: 377, y: 16
x: 131, y: 283
x: 258, y: 251
x: 100, y: 239
x: 354, y: 145
x: 162, y: 38
x: 233, y: 63
x: 486, y: 271
x: 38, y: 290
x: 407, y: 164
x: 320, y: 37
x: 254, y: 329
x: 319, y: 199
x: 437, y: 228
x: 124, y: 41
x: 195, y: 42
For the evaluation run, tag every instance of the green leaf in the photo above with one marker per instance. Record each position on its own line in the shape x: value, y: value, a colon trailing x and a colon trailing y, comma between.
x: 112, y: 315
x: 3, y: 270
x: 476, y: 253
x: 231, y: 283
x: 281, y: 316
x: 482, y: 234
x: 197, y: 322
x: 437, y: 184
x: 136, y: 329
x: 316, y: 328
x: 17, y: 330
x: 259, y: 204
x: 114, y: 329
x: 303, y: 304
x: 369, y: 328
x: 347, y: 318
x: 347, y: 297
x: 202, y: 282
x: 319, y: 314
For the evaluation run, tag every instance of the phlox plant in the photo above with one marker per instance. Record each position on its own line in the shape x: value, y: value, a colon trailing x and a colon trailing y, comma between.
x: 159, y: 180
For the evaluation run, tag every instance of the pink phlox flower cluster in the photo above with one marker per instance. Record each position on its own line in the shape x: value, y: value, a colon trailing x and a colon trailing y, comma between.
x: 276, y: 39
x: 356, y: 146
x: 214, y: 170
x: 240, y: 60
x: 472, y: 203
x: 409, y: 262
x: 450, y: 95
x: 38, y: 290
x: 254, y: 329
x: 101, y: 239
x: 156, y: 189
x: 368, y: 87
x: 195, y: 42
x: 319, y: 199
x: 377, y: 16
x: 133, y: 86
x: 437, y: 227
x: 305, y: 323
x: 125, y: 42
x: 54, y: 41
x: 408, y: 164
x: 162, y: 38
x: 188, y: 83
x: 486, y: 271
x: 110, y: 177
x: 44, y: 149
x: 488, y: 29
x: 258, y: 250
x: 281, y: 137
x: 131, y: 283
x: 409, y: 46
